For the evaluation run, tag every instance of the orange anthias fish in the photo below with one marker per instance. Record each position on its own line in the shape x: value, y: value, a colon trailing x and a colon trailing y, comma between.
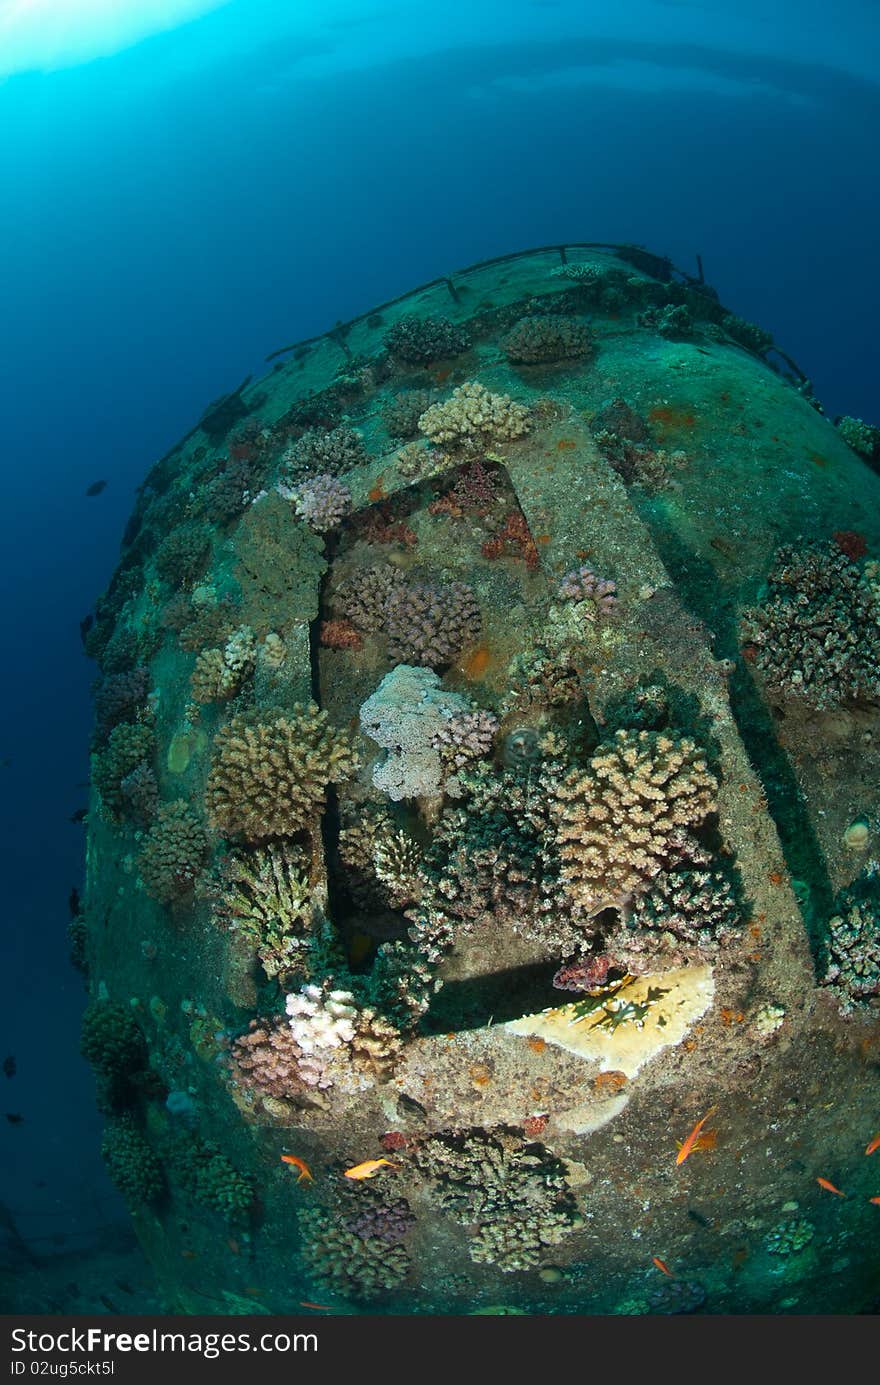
x: 369, y: 1168
x: 661, y: 1265
x: 874, y: 1145
x: 707, y: 1140
x: 304, y: 1170
x: 691, y: 1141
x: 875, y: 1200
x: 829, y: 1187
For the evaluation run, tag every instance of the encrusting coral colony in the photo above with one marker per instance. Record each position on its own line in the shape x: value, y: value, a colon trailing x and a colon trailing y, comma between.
x: 485, y: 788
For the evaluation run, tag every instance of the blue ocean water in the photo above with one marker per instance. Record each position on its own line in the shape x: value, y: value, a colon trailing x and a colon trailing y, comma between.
x: 184, y: 187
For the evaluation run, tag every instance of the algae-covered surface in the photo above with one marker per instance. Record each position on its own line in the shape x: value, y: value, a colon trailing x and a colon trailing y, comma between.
x: 485, y: 794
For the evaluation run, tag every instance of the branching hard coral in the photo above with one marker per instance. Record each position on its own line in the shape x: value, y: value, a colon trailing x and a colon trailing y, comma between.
x: 353, y: 1266
x: 604, y: 286
x: 673, y: 320
x: 129, y: 746
x: 140, y: 793
x: 201, y: 624
x: 473, y: 420
x: 269, y: 778
x: 320, y: 1019
x: 267, y: 1066
x: 396, y: 861
x: 363, y: 598
x: 752, y: 337
x: 112, y: 1042
x: 853, y: 968
x: 420, y: 340
x: 323, y: 452
x: 343, y: 1043
x: 626, y: 817
x: 265, y: 896
x: 383, y: 1221
x: 540, y: 677
x: 182, y: 555
x: 119, y: 697
x: 430, y: 625
x: 700, y: 905
x: 685, y: 915
x: 218, y: 673
x: 862, y: 437
x: 403, y: 715
x: 515, y: 1194
x: 594, y: 596
x: 401, y: 414
x: 131, y: 1162
x: 323, y: 502
x: 427, y: 624
x: 211, y: 679
x: 380, y: 862
x: 272, y: 653
x: 815, y: 634
x: 401, y: 984
x: 494, y: 859
x: 173, y: 853
x: 544, y: 339
x: 209, y: 1178
x: 464, y: 737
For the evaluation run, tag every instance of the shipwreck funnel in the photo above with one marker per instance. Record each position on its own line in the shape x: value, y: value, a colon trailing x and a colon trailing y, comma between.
x: 485, y: 789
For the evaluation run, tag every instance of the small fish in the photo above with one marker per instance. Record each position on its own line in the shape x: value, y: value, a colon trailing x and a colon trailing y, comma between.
x: 321, y: 1307
x: 304, y: 1170
x: 693, y: 1137
x: 874, y: 1145
x: 369, y: 1168
x: 79, y: 816
x: 662, y: 1266
x: 96, y: 487
x: 14, y: 1118
x: 10, y: 1066
x: 875, y: 1200
x: 823, y: 1183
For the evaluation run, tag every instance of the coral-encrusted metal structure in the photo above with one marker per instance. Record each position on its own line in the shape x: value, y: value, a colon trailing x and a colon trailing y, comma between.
x: 457, y: 833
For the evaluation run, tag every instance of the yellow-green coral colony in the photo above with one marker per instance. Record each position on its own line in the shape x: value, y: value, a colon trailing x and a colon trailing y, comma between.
x: 485, y: 784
